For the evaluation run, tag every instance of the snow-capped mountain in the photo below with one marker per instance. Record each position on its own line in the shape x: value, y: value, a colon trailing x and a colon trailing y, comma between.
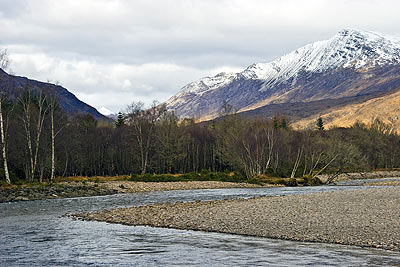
x: 321, y: 70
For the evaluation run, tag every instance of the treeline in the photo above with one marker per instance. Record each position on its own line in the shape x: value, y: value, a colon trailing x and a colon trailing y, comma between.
x: 40, y: 143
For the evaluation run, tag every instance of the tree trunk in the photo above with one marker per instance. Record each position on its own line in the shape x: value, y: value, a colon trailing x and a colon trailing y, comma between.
x: 321, y: 170
x: 29, y: 143
x: 53, y: 161
x: 39, y: 126
x: 297, y: 162
x: 3, y: 145
x: 66, y: 163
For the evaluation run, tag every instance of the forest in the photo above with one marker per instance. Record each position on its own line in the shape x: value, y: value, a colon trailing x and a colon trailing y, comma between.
x: 41, y: 142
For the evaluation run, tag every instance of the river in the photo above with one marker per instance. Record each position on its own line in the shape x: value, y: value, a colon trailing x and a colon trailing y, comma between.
x: 40, y: 233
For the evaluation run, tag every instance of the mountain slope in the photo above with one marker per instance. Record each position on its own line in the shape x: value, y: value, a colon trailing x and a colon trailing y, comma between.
x: 13, y: 86
x: 331, y: 69
x: 385, y: 108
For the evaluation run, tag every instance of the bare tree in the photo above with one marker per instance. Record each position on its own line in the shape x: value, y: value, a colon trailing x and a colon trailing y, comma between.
x: 53, y: 107
x: 25, y: 101
x: 168, y: 137
x: 4, y: 60
x: 143, y: 122
x: 271, y: 138
x: 3, y: 141
x: 297, y: 162
x: 249, y: 145
x: 4, y: 64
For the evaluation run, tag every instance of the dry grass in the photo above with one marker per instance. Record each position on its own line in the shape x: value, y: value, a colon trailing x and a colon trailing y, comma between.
x: 384, y: 108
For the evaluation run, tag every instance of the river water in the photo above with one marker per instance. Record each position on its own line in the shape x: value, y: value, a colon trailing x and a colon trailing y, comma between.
x: 38, y: 233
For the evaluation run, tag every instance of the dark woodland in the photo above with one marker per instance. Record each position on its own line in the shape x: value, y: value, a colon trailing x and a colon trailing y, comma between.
x: 42, y: 142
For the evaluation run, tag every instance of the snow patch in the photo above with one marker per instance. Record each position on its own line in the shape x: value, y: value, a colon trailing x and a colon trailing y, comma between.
x: 105, y: 111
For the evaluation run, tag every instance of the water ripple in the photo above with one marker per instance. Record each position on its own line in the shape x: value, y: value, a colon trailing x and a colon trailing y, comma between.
x: 35, y: 233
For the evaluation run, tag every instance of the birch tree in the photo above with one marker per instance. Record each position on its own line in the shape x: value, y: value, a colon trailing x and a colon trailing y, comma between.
x: 143, y: 122
x: 33, y: 125
x: 3, y: 131
x: 53, y: 107
x: 4, y: 63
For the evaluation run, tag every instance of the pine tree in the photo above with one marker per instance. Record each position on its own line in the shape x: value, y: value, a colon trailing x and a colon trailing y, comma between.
x: 283, y: 124
x: 120, y: 120
x: 320, y: 124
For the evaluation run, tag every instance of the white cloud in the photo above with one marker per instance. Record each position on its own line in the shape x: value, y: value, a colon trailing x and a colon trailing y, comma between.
x: 113, y: 86
x: 126, y: 85
x: 111, y: 52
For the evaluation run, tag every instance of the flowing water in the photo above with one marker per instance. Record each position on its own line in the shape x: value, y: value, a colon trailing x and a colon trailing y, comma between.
x: 37, y: 233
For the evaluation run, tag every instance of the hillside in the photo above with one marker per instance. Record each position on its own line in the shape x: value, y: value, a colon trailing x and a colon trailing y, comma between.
x: 13, y: 86
x: 385, y: 108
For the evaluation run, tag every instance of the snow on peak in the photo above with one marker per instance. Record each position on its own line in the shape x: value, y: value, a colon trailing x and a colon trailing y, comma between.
x: 105, y: 111
x: 348, y: 48
x: 209, y: 83
x: 203, y: 85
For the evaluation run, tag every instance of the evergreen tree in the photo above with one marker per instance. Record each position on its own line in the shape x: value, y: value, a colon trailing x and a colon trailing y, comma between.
x: 320, y: 124
x: 120, y: 120
x: 283, y: 123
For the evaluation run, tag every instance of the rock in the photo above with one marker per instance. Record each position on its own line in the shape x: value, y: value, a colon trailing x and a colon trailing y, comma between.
x: 21, y: 198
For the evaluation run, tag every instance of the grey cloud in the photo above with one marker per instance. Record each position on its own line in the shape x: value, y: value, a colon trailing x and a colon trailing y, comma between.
x: 81, y: 42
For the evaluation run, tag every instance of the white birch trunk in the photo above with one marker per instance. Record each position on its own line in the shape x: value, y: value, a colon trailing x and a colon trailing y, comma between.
x: 53, y: 164
x: 3, y: 145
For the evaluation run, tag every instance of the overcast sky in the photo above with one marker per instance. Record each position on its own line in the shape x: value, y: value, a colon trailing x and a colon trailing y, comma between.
x: 110, y: 53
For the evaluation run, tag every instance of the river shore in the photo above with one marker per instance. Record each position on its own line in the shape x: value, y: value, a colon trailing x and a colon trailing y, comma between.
x: 108, y: 187
x: 84, y: 189
x: 362, y: 217
x: 359, y: 175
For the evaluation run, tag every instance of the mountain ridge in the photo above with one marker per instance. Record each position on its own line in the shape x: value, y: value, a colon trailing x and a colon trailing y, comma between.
x: 348, y: 55
x: 13, y: 86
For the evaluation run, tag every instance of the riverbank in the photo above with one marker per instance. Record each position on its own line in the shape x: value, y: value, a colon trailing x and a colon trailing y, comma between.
x: 84, y: 189
x: 359, y: 175
x: 47, y: 191
x: 364, y: 217
x: 384, y: 183
x: 98, y: 186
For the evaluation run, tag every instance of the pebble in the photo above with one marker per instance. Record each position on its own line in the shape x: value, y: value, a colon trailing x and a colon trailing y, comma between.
x: 366, y: 217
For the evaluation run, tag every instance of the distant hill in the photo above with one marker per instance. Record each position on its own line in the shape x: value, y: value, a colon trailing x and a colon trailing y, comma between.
x: 14, y: 86
x: 348, y: 69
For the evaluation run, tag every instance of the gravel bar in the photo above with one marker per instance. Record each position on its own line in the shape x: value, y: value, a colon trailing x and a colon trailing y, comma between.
x: 136, y: 187
x: 85, y: 189
x: 362, y: 217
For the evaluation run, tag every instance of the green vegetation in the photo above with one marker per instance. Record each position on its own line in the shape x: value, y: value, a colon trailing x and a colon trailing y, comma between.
x: 320, y: 124
x: 120, y: 120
